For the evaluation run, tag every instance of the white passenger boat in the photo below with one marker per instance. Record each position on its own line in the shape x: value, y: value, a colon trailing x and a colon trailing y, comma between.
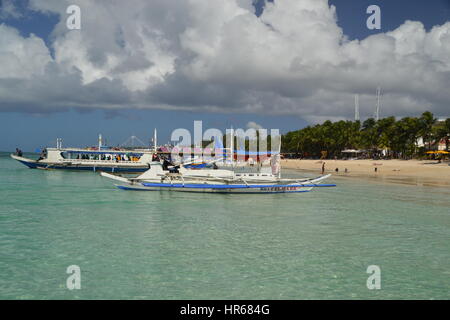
x: 160, y: 177
x: 107, y: 160
x: 99, y: 158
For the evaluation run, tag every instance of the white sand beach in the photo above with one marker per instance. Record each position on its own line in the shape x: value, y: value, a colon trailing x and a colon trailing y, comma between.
x: 425, y: 172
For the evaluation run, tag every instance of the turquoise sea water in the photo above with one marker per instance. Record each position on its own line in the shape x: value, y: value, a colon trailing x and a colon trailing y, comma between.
x: 162, y: 245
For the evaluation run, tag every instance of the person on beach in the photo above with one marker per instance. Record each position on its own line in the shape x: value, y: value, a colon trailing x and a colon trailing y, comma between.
x: 323, y: 168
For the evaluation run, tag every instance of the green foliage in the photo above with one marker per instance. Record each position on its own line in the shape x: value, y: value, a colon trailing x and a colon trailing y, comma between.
x: 399, y: 137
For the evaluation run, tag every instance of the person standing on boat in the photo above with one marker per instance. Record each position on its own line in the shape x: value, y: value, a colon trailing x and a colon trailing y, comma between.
x: 43, y: 155
x: 166, y: 164
x: 18, y: 152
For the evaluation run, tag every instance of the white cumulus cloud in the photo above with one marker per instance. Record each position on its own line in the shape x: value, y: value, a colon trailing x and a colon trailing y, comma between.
x: 218, y: 56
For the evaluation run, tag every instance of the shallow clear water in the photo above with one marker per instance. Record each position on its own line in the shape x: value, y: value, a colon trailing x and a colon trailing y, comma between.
x: 162, y: 245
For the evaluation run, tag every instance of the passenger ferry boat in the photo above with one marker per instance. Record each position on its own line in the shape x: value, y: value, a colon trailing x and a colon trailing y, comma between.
x: 90, y: 159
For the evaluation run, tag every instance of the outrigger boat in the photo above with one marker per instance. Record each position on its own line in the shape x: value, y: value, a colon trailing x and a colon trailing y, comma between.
x: 178, y: 178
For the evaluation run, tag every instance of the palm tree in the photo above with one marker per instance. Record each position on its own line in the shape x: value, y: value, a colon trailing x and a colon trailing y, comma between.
x: 369, y: 137
x: 385, y: 128
x: 399, y: 136
x: 427, y: 121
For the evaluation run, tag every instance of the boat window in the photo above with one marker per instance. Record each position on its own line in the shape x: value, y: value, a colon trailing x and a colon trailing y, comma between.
x: 64, y: 155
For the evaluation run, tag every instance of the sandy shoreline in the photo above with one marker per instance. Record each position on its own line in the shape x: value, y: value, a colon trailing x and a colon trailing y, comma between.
x: 427, y: 172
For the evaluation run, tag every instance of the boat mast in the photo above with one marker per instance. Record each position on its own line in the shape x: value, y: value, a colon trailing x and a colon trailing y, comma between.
x: 155, y: 140
x: 232, y: 145
x: 279, y: 158
x: 100, y: 141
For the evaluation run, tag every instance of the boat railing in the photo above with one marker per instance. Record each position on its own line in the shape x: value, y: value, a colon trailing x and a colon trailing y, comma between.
x: 99, y: 161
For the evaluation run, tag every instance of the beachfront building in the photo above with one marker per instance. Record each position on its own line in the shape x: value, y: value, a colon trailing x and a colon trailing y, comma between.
x: 443, y: 143
x: 440, y: 145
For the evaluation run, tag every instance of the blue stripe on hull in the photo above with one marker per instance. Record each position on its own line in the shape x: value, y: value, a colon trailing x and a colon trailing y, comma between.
x: 34, y: 165
x: 223, y: 192
x: 196, y: 166
x: 31, y: 165
x: 231, y: 186
x: 133, y: 189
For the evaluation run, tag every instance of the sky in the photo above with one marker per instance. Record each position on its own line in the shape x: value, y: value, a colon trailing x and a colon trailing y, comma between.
x: 241, y: 63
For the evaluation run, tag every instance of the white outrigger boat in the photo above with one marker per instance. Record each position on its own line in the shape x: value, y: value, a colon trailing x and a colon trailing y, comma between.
x: 160, y: 177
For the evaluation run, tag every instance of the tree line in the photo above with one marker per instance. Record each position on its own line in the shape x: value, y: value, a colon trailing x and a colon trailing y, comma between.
x: 399, y: 137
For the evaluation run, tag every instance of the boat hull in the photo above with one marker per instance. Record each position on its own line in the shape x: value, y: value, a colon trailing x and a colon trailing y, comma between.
x: 220, y: 188
x: 216, y: 185
x: 33, y: 164
x: 215, y: 190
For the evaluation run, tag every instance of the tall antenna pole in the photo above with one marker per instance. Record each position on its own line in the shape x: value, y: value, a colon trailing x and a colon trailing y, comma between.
x: 377, y: 111
x: 357, y: 118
